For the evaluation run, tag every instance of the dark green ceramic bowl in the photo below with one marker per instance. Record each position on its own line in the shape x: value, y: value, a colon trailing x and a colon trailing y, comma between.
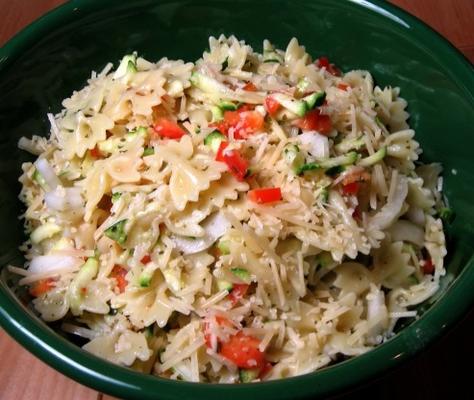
x: 52, y: 57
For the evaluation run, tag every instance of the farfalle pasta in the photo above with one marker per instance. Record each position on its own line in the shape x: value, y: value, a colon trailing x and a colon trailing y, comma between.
x: 250, y: 216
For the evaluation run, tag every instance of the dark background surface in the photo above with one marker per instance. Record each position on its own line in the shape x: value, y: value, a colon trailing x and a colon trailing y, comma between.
x: 445, y: 370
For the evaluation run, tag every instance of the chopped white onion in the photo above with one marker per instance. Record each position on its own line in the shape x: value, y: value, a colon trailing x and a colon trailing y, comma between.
x: 377, y: 313
x: 43, y: 264
x: 63, y: 199
x: 416, y: 215
x: 214, y: 227
x: 407, y: 231
x: 390, y: 211
x: 47, y: 172
x: 316, y: 144
x: 29, y: 145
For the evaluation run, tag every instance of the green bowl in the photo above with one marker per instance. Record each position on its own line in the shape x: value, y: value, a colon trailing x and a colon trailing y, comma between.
x: 52, y: 57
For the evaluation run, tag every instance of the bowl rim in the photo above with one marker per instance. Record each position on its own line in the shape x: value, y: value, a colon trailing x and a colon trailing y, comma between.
x: 119, y: 381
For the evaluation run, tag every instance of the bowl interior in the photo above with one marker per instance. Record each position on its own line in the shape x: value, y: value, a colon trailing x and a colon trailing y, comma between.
x: 55, y: 56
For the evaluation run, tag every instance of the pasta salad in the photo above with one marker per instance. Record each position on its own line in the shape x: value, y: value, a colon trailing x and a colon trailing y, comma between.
x: 250, y: 216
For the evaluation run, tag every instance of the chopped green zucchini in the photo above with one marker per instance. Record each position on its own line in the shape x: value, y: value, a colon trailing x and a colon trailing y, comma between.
x: 148, y: 151
x: 329, y: 163
x: 208, y: 84
x: 241, y: 273
x: 335, y: 170
x: 349, y: 144
x: 139, y: 131
x: 173, y: 278
x: 131, y: 67
x: 346, y: 159
x: 38, y: 178
x: 446, y: 214
x: 224, y: 285
x: 314, y: 100
x: 214, y: 140
x: 270, y: 54
x: 249, y: 173
x: 407, y: 247
x: 374, y: 158
x: 148, y: 331
x: 217, y: 113
x: 113, y: 144
x: 144, y: 280
x: 76, y: 291
x: 248, y: 375
x: 323, y: 259
x: 126, y: 66
x: 223, y: 246
x: 307, y: 167
x: 44, y: 231
x: 117, y: 232
x: 293, y: 157
x: 379, y: 122
x: 108, y: 146
x: 301, y: 86
x: 227, y: 106
x: 116, y: 196
x: 324, y: 195
x: 298, y: 107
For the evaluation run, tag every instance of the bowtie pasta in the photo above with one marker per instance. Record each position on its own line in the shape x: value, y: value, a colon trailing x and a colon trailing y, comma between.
x: 245, y: 217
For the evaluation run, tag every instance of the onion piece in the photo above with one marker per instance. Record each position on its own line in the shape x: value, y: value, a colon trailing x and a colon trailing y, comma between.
x: 407, y: 231
x: 214, y: 227
x: 390, y: 211
x: 316, y: 144
x: 377, y: 313
x: 50, y: 263
x: 47, y: 172
x: 62, y: 199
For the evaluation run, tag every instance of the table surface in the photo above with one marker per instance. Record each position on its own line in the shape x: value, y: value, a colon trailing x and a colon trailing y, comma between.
x: 437, y: 373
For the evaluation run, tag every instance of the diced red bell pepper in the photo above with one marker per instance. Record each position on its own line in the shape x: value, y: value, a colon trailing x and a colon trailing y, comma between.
x: 220, y: 321
x: 343, y: 86
x: 265, y: 195
x: 164, y: 127
x: 221, y: 126
x: 315, y: 121
x: 238, y: 165
x: 271, y: 105
x: 356, y: 176
x: 243, y: 122
x: 96, y: 153
x: 351, y: 188
x: 41, y: 287
x: 238, y: 292
x: 118, y: 273
x: 428, y: 266
x: 145, y: 259
x: 267, y: 367
x: 242, y: 350
x: 250, y: 87
x: 323, y: 62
